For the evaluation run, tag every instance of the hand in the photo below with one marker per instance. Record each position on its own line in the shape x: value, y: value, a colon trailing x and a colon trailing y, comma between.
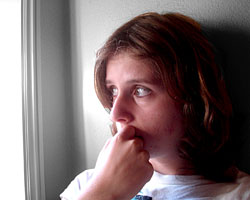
x: 122, y: 167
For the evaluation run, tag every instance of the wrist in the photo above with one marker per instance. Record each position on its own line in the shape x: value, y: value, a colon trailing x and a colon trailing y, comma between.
x: 97, y: 189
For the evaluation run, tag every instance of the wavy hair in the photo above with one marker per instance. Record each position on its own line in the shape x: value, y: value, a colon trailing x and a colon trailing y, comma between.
x: 184, y: 60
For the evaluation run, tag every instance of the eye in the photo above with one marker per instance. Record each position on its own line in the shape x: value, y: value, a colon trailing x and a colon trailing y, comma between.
x: 142, y: 91
x: 113, y: 91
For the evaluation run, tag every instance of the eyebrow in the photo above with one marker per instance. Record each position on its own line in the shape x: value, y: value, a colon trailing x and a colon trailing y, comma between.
x: 133, y: 81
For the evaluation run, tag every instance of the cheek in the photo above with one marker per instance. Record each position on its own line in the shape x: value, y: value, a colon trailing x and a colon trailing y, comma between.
x: 166, y: 121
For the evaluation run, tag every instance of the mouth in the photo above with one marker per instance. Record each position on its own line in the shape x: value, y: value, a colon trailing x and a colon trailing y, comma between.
x: 116, y: 127
x: 138, y: 134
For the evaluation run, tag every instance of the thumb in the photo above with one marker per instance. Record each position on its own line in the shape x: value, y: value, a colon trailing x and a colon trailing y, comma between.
x: 126, y: 133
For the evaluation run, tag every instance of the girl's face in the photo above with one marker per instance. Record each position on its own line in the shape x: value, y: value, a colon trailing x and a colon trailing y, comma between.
x: 140, y: 100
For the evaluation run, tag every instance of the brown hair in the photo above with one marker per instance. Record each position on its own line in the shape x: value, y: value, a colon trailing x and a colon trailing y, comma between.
x: 184, y: 61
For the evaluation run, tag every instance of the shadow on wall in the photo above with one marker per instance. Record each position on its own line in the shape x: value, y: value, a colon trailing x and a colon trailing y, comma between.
x: 233, y: 45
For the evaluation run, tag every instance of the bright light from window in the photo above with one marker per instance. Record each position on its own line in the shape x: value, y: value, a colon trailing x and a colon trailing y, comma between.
x: 11, y: 134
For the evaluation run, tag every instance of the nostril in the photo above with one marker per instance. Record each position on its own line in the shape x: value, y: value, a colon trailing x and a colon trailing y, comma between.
x: 120, y: 116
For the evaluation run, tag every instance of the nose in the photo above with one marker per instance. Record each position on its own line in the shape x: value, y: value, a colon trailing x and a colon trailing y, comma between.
x: 122, y: 110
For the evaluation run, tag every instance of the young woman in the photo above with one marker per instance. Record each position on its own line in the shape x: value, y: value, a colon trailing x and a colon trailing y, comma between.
x: 158, y: 77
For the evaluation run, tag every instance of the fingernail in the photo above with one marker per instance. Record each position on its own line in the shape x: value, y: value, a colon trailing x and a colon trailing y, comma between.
x: 119, y: 126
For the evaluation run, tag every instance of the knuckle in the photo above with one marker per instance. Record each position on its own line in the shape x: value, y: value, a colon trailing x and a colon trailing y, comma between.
x: 138, y: 142
x: 144, y: 155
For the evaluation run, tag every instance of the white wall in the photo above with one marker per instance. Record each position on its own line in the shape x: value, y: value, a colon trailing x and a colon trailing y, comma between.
x: 96, y: 20
x: 11, y: 130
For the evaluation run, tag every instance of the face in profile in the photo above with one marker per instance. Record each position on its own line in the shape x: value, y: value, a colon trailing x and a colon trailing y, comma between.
x: 141, y: 101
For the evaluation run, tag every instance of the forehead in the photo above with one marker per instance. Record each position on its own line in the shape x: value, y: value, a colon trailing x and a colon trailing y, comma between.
x: 127, y: 67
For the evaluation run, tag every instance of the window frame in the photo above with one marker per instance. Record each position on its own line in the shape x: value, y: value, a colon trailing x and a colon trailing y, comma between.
x: 31, y: 89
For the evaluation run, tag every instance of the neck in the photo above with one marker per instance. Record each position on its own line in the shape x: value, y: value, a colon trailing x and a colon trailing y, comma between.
x: 177, y: 166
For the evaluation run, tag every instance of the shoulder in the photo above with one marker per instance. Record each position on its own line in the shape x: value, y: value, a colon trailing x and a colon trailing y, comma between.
x: 238, y: 189
x: 77, y: 185
x: 84, y: 177
x: 191, y: 187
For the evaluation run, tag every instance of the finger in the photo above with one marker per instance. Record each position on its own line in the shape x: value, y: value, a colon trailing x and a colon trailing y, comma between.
x: 107, y: 143
x: 146, y: 156
x: 138, y: 143
x: 113, y: 128
x: 126, y: 133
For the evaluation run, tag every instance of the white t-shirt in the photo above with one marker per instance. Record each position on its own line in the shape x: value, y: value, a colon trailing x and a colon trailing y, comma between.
x: 175, y: 187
